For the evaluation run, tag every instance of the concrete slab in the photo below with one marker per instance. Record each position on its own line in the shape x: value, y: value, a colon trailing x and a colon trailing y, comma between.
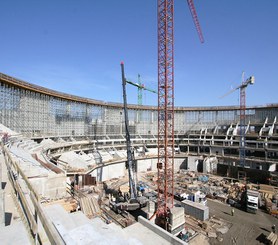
x: 199, y: 239
x: 12, y: 223
x: 57, y: 213
x: 144, y: 235
x: 14, y: 234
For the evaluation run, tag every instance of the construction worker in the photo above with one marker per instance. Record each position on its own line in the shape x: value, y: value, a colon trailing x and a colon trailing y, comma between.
x: 232, y: 212
x: 273, y: 228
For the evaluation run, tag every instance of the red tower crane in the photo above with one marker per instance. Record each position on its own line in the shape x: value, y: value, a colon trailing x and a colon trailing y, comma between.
x: 165, y: 164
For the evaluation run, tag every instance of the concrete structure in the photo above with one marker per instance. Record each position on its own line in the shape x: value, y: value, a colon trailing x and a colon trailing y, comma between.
x: 39, y: 112
x: 12, y: 227
x: 197, y: 210
x: 60, y: 136
x: 76, y: 228
x: 177, y: 219
x: 171, y: 239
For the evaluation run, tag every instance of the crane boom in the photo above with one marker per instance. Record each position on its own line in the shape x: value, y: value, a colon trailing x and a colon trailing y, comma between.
x: 130, y: 162
x: 140, y: 87
x: 123, y: 201
x: 250, y: 81
x: 195, y: 19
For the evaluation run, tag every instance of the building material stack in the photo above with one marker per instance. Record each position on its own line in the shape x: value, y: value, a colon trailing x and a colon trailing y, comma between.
x: 177, y: 219
x: 197, y: 210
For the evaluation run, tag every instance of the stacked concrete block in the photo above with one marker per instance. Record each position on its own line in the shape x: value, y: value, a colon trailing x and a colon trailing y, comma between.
x: 197, y: 210
x: 177, y: 219
x: 151, y: 206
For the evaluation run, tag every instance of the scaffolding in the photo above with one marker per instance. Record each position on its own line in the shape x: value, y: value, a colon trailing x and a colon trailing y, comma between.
x: 36, y: 111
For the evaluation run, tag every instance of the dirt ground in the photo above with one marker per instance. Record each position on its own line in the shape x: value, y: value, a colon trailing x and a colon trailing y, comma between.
x: 246, y: 228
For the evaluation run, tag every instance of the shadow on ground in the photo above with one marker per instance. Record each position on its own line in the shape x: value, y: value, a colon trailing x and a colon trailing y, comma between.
x: 8, y: 218
x: 3, y: 185
x: 137, y: 213
x: 262, y: 238
x: 264, y: 229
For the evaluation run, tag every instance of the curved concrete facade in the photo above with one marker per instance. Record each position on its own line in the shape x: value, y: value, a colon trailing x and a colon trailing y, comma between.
x: 37, y: 111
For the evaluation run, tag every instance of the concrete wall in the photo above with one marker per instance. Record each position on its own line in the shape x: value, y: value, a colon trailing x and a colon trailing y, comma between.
x: 215, y: 150
x: 272, y: 167
x: 109, y: 172
x: 192, y: 163
x: 52, y: 186
x: 147, y: 164
x: 210, y: 165
x: 253, y: 175
x: 118, y: 170
x: 161, y: 232
x: 178, y: 163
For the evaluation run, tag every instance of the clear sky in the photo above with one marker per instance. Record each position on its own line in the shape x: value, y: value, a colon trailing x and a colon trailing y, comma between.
x: 77, y: 46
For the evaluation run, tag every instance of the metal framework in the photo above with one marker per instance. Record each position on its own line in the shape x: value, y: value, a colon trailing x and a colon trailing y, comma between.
x: 242, y: 126
x: 130, y: 160
x: 140, y: 87
x: 140, y: 91
x: 165, y: 165
x: 195, y: 19
x: 33, y: 112
x: 242, y: 133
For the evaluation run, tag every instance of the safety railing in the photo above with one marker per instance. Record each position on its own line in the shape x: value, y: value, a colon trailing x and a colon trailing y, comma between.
x: 29, y: 203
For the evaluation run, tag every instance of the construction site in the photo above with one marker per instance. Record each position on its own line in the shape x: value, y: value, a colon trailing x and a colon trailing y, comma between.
x: 77, y: 170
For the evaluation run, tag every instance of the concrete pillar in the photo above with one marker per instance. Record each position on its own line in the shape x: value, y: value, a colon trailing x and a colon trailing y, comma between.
x: 151, y: 207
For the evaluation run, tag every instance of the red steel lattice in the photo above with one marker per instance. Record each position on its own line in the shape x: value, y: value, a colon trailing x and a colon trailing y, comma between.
x: 165, y: 163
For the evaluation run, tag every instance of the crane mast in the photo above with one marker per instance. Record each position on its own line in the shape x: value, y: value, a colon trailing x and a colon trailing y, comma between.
x: 242, y: 109
x: 140, y: 91
x: 242, y: 131
x: 165, y: 163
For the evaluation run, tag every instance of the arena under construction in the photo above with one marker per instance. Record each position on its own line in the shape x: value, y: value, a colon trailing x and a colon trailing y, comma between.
x: 65, y: 157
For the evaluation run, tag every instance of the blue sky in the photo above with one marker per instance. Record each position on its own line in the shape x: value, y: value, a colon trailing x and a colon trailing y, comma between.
x: 77, y: 46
